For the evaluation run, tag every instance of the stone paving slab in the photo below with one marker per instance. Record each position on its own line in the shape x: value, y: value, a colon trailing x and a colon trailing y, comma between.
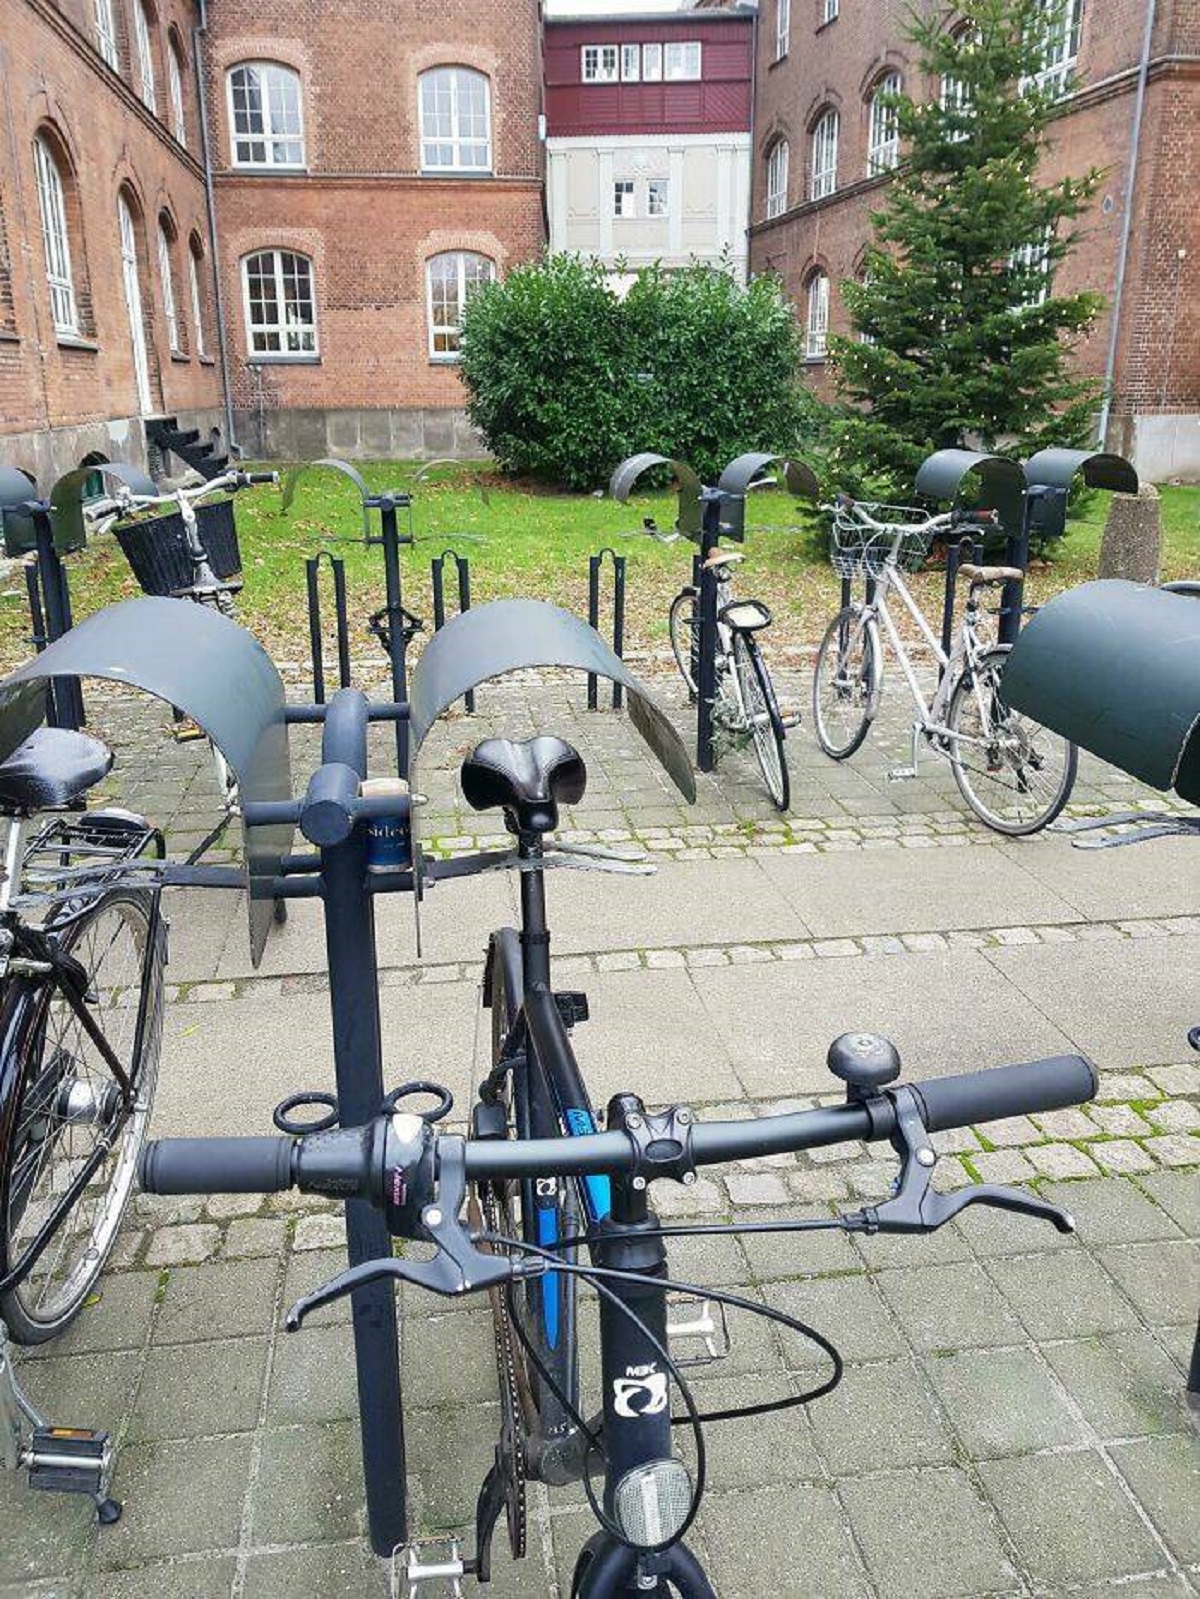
x: 1011, y: 1421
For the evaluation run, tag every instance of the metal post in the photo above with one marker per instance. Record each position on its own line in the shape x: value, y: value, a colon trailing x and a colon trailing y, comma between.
x: 953, y: 562
x: 65, y: 700
x: 397, y: 641
x: 706, y: 680
x: 595, y: 562
x: 1016, y: 553
x: 358, y: 1065
x: 437, y: 579
x: 37, y: 616
x: 341, y: 621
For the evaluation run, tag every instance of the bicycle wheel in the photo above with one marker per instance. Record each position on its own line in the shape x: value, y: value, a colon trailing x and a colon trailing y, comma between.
x: 684, y: 622
x: 845, y: 677
x: 758, y: 704
x: 61, y: 1106
x: 1014, y: 774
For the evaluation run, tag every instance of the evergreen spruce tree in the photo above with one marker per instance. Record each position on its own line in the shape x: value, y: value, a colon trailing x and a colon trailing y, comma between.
x: 960, y: 337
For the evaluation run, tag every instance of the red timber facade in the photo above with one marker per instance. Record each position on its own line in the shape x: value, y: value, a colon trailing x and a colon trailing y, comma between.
x: 811, y: 208
x: 407, y: 168
x: 106, y: 288
x: 648, y: 136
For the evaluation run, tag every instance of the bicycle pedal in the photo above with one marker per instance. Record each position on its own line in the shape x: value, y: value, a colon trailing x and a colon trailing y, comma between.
x: 901, y: 774
x: 414, y: 1565
x: 790, y: 720
x: 707, y: 1325
x: 69, y: 1460
x: 572, y: 1007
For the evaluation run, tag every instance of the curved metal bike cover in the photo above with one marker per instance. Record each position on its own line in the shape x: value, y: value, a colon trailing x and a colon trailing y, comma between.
x: 999, y: 483
x: 331, y: 464
x: 1115, y: 667
x: 509, y: 635
x: 220, y: 675
x: 1056, y: 468
x: 620, y: 486
x: 744, y: 473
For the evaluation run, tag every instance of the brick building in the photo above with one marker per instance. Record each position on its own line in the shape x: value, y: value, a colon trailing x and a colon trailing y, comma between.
x: 823, y: 150
x: 106, y: 309
x: 368, y: 172
x: 365, y: 170
x: 648, y: 136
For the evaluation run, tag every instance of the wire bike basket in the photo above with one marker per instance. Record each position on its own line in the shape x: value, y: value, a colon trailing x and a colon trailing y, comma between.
x: 157, y: 549
x: 859, y: 550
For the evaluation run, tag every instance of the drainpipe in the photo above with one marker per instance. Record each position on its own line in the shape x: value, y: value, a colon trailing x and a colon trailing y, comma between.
x: 1135, y: 135
x: 210, y: 202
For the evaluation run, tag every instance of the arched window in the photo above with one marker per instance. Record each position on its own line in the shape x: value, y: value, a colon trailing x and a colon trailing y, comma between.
x: 145, y: 54
x: 166, y: 273
x: 56, y: 242
x: 195, y: 261
x: 106, y: 32
x: 824, y: 155
x: 265, y: 116
x: 175, y: 86
x: 777, y: 178
x: 281, y: 317
x: 456, y: 120
x: 816, y: 327
x: 449, y: 279
x: 883, y: 134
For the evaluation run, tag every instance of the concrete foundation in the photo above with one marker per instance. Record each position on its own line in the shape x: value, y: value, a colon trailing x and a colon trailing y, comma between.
x: 357, y: 435
x: 51, y: 453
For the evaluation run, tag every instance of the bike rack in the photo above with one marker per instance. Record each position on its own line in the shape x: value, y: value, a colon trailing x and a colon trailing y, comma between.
x: 706, y: 515
x: 595, y: 562
x: 437, y: 579
x: 337, y: 569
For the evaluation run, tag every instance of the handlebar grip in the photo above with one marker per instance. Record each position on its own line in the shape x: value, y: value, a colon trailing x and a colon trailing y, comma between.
x: 1007, y: 1091
x: 261, y: 477
x: 217, y: 1165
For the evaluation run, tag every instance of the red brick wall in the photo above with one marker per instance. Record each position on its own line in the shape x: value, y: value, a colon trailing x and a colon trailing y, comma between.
x: 51, y: 75
x: 363, y: 212
x: 1158, y: 366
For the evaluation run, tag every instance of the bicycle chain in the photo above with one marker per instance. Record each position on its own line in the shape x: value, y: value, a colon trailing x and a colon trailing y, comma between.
x: 512, y: 1457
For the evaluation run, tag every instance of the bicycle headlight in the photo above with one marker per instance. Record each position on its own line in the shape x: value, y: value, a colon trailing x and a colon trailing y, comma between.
x: 652, y: 1502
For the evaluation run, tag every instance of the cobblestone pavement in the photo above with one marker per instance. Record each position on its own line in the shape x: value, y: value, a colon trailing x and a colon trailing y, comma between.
x: 1012, y: 1418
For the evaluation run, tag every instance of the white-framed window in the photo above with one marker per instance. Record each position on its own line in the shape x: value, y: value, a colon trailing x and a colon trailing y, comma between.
x: 681, y: 60
x: 599, y: 63
x: 631, y: 63
x: 1030, y: 264
x: 449, y: 281
x: 783, y: 27
x: 883, y: 132
x: 281, y: 316
x: 652, y: 63
x: 829, y: 11
x: 265, y: 115
x: 777, y: 178
x: 658, y: 197
x: 1062, y: 20
x: 106, y: 32
x: 145, y: 56
x: 624, y: 203
x: 197, y: 298
x: 456, y: 120
x: 823, y: 179
x: 816, y: 330
x: 55, y: 240
x: 175, y: 88
x: 167, y: 277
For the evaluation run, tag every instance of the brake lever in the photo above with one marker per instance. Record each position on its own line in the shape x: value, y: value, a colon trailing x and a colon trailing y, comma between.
x: 458, y: 1267
x: 917, y: 1207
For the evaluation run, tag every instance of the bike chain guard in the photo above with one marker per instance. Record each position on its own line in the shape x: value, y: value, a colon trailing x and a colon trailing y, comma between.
x: 917, y: 1207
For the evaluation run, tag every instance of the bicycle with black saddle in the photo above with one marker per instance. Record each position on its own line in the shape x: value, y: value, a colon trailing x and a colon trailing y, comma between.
x: 545, y: 1193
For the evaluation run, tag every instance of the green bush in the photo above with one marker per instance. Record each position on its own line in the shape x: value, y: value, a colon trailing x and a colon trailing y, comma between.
x: 565, y: 378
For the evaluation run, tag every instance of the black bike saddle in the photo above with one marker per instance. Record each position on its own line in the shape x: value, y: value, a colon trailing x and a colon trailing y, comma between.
x: 51, y: 768
x: 528, y: 781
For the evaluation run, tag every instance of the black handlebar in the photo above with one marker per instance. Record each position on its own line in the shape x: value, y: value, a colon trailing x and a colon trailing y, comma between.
x: 250, y: 478
x: 364, y: 1161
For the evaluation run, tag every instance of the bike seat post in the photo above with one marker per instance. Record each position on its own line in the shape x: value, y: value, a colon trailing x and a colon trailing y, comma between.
x: 535, y: 933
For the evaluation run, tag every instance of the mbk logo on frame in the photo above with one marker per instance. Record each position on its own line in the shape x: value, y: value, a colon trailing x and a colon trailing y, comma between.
x: 641, y: 1392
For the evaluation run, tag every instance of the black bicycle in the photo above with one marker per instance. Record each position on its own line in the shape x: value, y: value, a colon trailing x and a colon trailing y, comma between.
x: 539, y: 1198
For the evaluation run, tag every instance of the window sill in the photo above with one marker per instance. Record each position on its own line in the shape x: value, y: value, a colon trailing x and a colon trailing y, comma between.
x: 180, y: 358
x: 457, y: 172
x: 821, y: 26
x: 777, y: 61
x: 282, y: 360
x: 72, y: 341
x: 815, y: 360
x: 445, y: 360
x: 208, y: 360
x: 7, y: 336
x: 254, y: 170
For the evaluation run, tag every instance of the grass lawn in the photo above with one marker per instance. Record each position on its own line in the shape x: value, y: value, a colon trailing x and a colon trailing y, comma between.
x: 529, y: 542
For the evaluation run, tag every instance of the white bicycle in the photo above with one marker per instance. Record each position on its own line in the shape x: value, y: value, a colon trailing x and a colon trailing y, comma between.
x: 1013, y: 773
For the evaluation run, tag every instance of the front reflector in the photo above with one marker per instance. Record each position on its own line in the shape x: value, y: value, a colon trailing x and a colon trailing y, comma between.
x: 652, y: 1502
